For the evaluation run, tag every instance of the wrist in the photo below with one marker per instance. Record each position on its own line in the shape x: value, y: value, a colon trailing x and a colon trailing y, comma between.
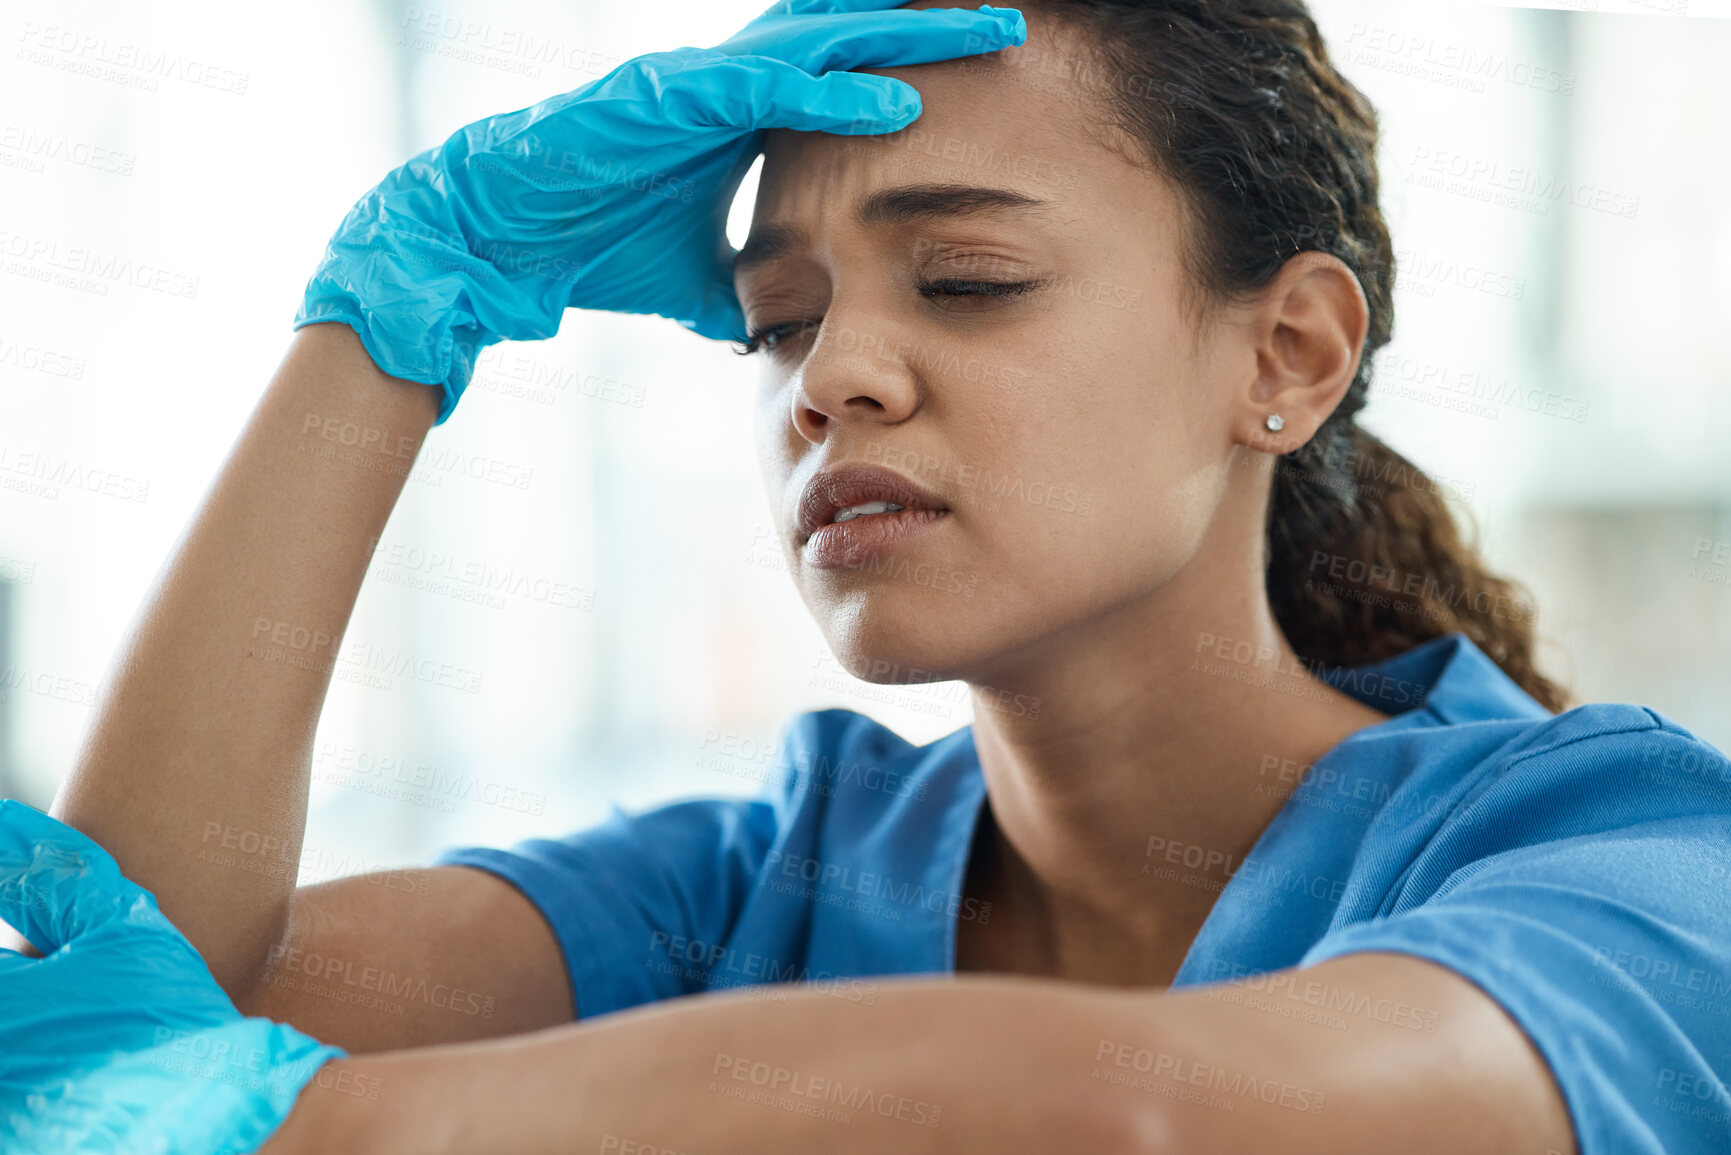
x: 424, y: 296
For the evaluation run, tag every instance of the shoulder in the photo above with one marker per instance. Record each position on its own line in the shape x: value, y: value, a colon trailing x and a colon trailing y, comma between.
x: 1603, y: 756
x: 1617, y: 748
x: 1592, y: 776
x: 1575, y: 873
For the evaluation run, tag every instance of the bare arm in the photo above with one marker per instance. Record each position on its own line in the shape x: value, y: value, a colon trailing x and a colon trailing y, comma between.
x: 195, y: 772
x: 990, y: 1064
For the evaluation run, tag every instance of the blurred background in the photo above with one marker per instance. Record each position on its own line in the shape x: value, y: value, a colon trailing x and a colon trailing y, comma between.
x: 1556, y: 179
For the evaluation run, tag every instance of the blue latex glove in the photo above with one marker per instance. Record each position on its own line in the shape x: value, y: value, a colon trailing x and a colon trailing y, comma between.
x: 118, y: 1039
x: 615, y: 195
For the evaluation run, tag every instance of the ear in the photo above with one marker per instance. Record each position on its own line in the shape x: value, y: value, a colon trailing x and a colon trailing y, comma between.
x: 1308, y: 328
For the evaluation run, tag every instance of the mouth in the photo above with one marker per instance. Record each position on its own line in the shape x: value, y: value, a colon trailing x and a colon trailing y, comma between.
x: 849, y: 512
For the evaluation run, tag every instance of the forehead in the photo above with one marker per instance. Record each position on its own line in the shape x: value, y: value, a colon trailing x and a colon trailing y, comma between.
x: 1016, y: 120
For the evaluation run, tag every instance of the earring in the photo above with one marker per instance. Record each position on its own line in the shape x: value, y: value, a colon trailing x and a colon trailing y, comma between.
x: 1275, y: 422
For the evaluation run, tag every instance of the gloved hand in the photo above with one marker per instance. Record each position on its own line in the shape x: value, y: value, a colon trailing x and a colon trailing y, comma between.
x: 118, y: 1039
x: 615, y: 195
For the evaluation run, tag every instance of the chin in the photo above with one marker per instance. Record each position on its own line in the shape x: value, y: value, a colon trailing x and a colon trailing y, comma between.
x: 891, y: 637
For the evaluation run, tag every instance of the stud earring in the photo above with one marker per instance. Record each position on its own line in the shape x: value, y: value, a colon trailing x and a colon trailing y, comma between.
x: 1275, y: 422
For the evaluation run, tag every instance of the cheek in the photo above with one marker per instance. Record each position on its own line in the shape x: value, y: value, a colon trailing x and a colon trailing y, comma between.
x: 1103, y: 470
x: 771, y: 430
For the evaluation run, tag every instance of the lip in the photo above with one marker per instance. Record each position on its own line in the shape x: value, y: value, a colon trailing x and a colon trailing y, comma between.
x: 828, y: 544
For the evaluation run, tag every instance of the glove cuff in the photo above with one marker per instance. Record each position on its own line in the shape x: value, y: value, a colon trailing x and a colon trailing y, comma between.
x: 220, y: 1089
x: 410, y: 292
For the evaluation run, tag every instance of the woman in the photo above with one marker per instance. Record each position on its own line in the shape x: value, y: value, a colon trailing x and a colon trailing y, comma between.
x: 1324, y: 872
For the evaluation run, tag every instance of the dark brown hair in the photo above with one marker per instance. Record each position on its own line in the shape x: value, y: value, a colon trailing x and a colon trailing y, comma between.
x: 1273, y: 153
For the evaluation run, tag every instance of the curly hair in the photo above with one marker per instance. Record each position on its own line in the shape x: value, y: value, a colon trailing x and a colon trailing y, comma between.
x: 1273, y: 153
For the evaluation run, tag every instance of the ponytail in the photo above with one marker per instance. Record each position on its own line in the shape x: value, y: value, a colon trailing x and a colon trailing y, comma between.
x: 1365, y: 561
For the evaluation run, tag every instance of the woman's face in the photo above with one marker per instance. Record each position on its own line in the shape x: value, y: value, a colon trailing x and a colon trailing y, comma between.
x: 1030, y: 364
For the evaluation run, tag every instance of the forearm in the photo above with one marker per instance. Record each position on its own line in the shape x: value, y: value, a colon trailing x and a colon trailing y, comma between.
x: 985, y: 1065
x: 1410, y: 1057
x: 194, y: 774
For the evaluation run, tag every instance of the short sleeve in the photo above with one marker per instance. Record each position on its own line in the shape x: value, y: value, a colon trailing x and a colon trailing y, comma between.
x: 1612, y: 951
x: 630, y: 897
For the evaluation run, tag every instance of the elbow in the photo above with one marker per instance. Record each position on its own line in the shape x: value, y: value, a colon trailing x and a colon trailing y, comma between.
x: 1120, y: 1121
x: 1145, y: 1128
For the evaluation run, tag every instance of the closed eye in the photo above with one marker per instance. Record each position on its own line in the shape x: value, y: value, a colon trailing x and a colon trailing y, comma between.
x: 975, y: 288
x: 769, y: 337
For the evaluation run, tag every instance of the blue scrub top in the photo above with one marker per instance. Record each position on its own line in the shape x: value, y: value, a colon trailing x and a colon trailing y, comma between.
x: 1577, y: 867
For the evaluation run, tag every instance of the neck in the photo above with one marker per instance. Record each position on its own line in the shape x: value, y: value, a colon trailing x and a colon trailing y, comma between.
x: 1147, y: 752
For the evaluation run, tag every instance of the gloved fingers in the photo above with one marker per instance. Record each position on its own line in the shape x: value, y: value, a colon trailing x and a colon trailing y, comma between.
x: 718, y: 316
x: 879, y: 39
x: 802, y: 7
x: 57, y: 884
x: 745, y: 92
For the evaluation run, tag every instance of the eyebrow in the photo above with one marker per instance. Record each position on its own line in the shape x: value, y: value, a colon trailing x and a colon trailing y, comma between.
x: 891, y: 206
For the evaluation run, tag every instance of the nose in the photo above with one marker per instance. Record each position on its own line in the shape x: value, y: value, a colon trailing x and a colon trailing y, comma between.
x: 858, y: 370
